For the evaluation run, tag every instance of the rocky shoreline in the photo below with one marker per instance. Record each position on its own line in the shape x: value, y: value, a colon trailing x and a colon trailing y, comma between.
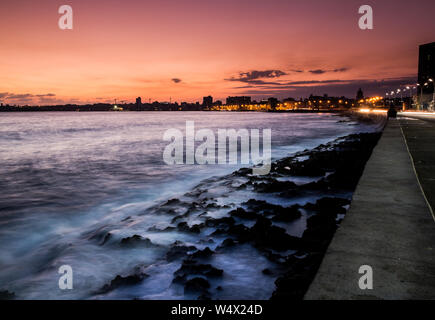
x: 222, y: 226
x: 339, y: 165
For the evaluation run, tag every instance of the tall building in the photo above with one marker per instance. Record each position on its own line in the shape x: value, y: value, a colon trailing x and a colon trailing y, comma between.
x: 207, y: 101
x: 273, y: 102
x: 359, y: 95
x: 426, y: 75
x: 426, y: 65
x: 238, y: 100
x: 138, y: 102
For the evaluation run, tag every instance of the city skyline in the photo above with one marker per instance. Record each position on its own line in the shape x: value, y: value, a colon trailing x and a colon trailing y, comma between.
x: 190, y: 49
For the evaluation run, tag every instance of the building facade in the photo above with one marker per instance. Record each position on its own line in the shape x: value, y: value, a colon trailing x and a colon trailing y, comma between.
x: 426, y: 76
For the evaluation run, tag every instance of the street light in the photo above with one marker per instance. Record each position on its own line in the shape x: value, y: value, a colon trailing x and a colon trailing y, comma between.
x: 401, y: 95
x: 421, y: 96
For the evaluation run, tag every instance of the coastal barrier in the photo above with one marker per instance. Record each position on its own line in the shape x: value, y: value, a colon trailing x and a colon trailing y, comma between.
x: 384, y: 248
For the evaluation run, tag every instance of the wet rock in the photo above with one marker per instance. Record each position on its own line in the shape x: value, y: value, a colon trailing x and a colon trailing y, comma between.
x: 191, y: 268
x: 101, y: 235
x: 205, y: 296
x: 241, y: 232
x: 267, y: 236
x: 243, y: 214
x: 287, y: 214
x: 136, y: 240
x: 176, y: 218
x: 6, y: 295
x: 221, y: 222
x: 178, y: 251
x: 183, y: 226
x: 227, y: 243
x: 213, y: 206
x: 295, y: 282
x: 264, y: 208
x: 196, y: 285
x: 120, y: 281
x: 274, y: 186
x: 202, y: 253
x: 267, y: 272
x: 328, y: 206
x: 243, y: 172
x: 319, y: 232
x: 171, y: 202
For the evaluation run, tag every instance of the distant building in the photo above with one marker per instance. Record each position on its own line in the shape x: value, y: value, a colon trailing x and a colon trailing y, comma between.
x: 238, y: 100
x: 207, y: 101
x: 138, y: 102
x: 359, y: 95
x: 273, y: 102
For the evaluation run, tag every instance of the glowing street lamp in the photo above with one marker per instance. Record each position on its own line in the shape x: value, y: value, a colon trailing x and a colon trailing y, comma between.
x: 433, y: 92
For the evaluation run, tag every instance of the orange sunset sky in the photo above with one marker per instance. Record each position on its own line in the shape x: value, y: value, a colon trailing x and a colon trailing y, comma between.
x: 187, y: 49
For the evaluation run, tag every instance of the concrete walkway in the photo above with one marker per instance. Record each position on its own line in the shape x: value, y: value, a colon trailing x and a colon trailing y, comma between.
x: 388, y: 227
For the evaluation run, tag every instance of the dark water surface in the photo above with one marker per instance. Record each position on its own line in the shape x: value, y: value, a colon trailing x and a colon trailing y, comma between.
x: 65, y: 176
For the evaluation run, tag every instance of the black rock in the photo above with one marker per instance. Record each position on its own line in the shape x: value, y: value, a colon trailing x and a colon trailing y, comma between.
x: 267, y: 272
x: 287, y: 214
x: 267, y: 236
x: 196, y: 285
x: 136, y: 240
x: 274, y: 186
x: 227, y: 243
x: 178, y: 251
x: 243, y: 214
x: 123, y: 281
x: 221, y: 222
x: 6, y: 295
x: 191, y: 267
x: 183, y: 226
x: 202, y: 253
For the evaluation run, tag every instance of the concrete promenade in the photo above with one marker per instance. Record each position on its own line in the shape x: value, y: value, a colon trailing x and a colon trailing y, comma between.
x: 389, y: 227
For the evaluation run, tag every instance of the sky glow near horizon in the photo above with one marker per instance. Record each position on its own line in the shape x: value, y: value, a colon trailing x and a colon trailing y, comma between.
x: 186, y: 49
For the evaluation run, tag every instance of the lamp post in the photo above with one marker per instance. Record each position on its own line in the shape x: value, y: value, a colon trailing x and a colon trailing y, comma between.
x: 416, y: 93
x: 407, y: 88
x: 401, y: 96
x: 421, y: 96
x: 421, y: 87
x: 433, y: 92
